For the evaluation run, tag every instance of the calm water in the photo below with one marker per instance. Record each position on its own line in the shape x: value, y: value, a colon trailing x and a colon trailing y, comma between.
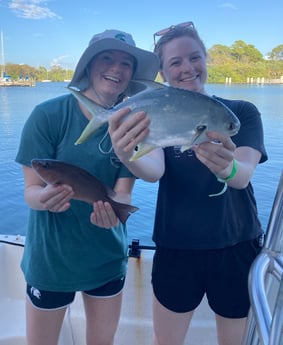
x: 17, y: 103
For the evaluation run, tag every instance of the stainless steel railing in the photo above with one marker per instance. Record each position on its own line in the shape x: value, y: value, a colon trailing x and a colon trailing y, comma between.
x: 265, y: 320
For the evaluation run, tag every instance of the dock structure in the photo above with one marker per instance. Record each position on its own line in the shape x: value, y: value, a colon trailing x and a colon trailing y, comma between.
x: 11, y: 83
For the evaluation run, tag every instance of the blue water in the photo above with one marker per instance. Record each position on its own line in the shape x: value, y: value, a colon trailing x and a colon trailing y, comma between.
x: 17, y: 103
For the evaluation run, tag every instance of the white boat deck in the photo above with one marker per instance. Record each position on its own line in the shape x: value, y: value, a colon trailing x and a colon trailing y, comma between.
x: 135, y: 326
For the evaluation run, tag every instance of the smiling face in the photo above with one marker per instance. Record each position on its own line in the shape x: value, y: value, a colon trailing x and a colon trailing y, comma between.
x: 110, y: 73
x: 184, y: 64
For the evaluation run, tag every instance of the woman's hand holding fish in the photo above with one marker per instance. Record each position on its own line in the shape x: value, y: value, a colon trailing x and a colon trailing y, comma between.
x: 103, y: 215
x: 43, y: 196
x: 55, y: 198
x: 126, y: 134
x: 217, y: 154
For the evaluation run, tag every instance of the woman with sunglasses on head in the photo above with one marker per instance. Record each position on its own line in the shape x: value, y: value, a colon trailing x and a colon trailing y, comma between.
x: 67, y: 249
x: 205, y: 244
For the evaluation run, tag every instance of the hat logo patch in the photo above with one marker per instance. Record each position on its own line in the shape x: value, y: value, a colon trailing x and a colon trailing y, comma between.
x: 121, y: 37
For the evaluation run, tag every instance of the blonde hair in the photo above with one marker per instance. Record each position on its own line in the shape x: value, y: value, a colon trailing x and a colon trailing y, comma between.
x: 176, y: 32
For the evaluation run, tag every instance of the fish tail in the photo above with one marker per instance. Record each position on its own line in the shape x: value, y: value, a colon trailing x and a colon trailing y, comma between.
x: 89, y: 130
x: 97, y: 112
x: 123, y: 211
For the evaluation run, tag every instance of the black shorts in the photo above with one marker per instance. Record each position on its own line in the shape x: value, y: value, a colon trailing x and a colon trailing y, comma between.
x: 180, y: 278
x: 55, y: 300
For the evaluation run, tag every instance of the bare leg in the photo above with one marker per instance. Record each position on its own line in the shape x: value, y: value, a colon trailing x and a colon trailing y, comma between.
x: 169, y: 327
x: 230, y: 331
x: 43, y: 326
x: 102, y: 315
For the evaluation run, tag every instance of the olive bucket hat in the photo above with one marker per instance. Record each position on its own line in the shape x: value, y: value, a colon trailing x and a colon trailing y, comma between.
x: 147, y: 63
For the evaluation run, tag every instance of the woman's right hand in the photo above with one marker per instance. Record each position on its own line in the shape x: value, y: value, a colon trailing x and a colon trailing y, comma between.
x: 45, y: 197
x: 55, y: 198
x: 127, y: 133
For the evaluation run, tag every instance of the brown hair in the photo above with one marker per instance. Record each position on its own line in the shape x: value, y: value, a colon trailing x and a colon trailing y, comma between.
x: 176, y: 32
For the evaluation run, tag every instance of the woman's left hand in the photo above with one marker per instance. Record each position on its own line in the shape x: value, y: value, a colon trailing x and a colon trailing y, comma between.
x: 103, y: 215
x: 217, y: 154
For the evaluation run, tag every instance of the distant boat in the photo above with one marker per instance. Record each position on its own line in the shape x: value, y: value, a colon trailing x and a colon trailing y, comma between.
x: 46, y: 81
x: 7, y: 80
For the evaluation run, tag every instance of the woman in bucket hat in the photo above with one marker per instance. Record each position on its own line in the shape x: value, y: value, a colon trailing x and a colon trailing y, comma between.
x: 66, y: 250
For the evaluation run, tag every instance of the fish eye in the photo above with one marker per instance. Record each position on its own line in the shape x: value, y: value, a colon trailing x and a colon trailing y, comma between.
x: 46, y: 164
x: 201, y: 128
x: 231, y: 126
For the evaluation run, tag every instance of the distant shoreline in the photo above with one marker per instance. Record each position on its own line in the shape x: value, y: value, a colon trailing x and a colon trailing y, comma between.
x: 251, y: 81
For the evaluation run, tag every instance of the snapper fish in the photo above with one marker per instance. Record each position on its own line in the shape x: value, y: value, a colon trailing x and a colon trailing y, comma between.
x: 86, y: 186
x: 179, y: 117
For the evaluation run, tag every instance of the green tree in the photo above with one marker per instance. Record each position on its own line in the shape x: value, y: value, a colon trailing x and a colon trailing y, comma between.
x: 41, y: 73
x: 21, y: 71
x: 242, y: 52
x: 277, y: 53
x: 219, y: 54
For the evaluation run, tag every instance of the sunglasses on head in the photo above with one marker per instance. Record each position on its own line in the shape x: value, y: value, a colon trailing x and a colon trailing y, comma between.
x: 164, y: 31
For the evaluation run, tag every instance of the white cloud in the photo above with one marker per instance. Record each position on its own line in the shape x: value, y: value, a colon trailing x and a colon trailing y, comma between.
x: 228, y: 5
x: 57, y: 62
x: 32, y: 9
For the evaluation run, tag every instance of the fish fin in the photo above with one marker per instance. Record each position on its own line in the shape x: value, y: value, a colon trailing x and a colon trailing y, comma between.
x: 123, y: 211
x: 199, y: 130
x: 185, y: 148
x: 143, y: 149
x: 139, y: 85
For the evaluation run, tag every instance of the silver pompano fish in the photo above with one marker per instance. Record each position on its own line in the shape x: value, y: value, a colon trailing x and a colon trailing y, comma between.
x: 85, y: 185
x: 178, y: 116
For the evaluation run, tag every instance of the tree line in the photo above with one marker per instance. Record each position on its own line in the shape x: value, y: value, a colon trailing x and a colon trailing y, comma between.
x: 238, y: 62
x: 242, y: 61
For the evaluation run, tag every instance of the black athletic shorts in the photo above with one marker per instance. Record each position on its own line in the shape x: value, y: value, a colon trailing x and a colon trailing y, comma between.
x: 55, y: 300
x: 180, y: 278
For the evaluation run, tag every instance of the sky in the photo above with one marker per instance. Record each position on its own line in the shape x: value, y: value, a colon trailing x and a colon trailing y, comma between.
x: 56, y: 32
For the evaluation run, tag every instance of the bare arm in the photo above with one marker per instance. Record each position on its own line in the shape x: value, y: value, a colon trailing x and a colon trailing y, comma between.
x: 126, y: 135
x: 39, y: 196
x: 218, y: 157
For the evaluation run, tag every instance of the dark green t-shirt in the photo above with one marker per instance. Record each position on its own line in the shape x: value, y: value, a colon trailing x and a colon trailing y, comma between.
x: 64, y: 251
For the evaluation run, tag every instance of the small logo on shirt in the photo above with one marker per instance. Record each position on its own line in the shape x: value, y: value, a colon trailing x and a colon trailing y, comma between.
x: 178, y: 153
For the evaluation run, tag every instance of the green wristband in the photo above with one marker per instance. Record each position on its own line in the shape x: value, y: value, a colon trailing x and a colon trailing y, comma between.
x: 233, y: 172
